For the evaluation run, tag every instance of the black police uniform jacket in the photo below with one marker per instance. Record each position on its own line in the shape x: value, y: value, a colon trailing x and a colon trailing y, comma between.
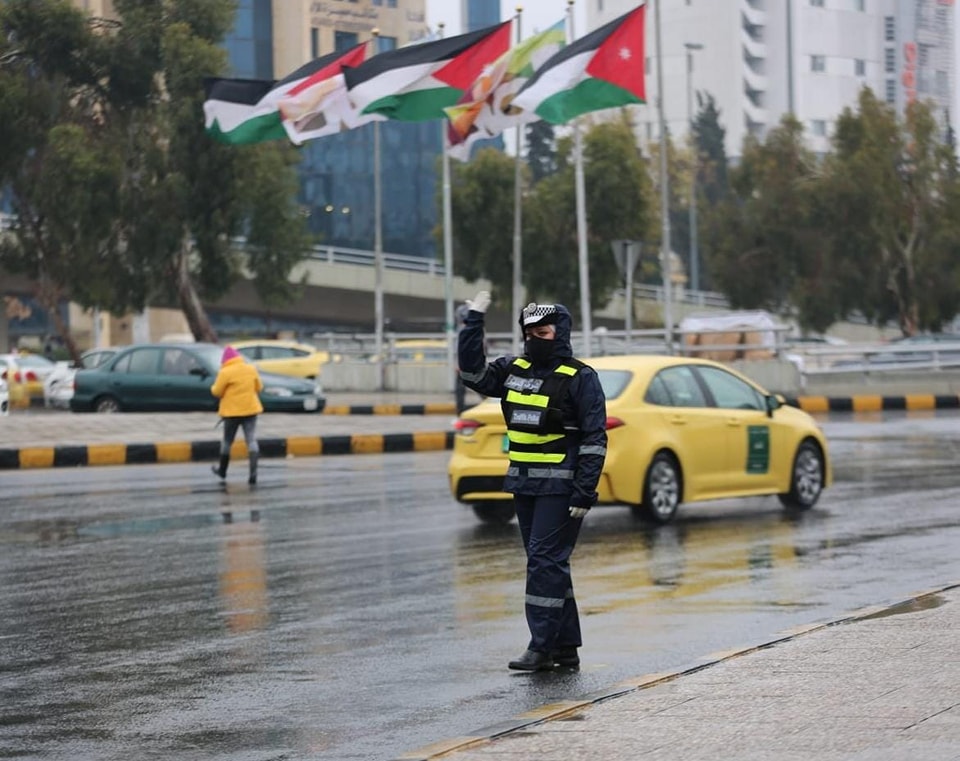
x: 566, y: 464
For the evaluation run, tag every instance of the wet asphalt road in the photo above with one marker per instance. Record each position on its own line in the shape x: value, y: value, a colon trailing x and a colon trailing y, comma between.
x: 349, y: 609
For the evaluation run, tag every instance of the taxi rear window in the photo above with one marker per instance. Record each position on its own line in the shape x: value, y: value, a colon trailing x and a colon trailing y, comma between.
x: 613, y: 382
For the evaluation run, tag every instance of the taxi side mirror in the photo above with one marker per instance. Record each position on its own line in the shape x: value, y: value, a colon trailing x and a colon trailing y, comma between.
x: 774, y: 402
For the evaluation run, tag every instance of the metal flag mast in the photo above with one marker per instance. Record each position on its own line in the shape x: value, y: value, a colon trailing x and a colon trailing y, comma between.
x: 582, y: 261
x: 665, y: 263
x: 448, y: 317
x: 518, y: 293
x: 378, y: 255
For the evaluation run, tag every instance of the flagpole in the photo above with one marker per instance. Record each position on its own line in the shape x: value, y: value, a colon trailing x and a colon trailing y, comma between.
x: 448, y: 316
x: 585, y: 319
x: 665, y: 263
x: 517, y: 225
x: 378, y: 255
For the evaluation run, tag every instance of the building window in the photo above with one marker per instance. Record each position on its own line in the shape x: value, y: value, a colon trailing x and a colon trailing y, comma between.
x: 816, y: 3
x: 860, y: 5
x: 889, y: 29
x: 818, y: 127
x: 344, y: 40
x: 889, y: 61
x: 891, y: 94
x: 600, y: 6
x: 860, y: 67
x: 386, y: 43
x: 378, y: 2
x: 818, y: 63
x: 391, y: 3
x: 314, y: 42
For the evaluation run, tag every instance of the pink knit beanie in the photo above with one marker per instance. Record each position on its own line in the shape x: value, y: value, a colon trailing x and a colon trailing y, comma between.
x: 228, y: 354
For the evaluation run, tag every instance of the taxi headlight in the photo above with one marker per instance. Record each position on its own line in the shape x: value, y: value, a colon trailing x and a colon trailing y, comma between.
x: 277, y: 391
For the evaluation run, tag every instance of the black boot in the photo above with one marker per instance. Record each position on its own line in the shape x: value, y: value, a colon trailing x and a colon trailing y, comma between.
x: 566, y: 657
x: 220, y: 471
x: 532, y: 660
x: 254, y: 456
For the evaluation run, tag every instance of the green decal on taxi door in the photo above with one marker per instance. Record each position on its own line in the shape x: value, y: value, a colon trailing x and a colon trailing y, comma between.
x: 758, y: 449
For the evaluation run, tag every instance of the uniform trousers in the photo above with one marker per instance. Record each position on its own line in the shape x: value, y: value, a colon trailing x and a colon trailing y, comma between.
x: 549, y: 536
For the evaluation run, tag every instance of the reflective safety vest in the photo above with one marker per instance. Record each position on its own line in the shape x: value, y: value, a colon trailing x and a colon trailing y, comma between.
x: 532, y: 409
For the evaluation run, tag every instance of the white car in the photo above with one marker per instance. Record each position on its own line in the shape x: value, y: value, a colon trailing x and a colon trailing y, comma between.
x: 4, y: 398
x: 58, y: 385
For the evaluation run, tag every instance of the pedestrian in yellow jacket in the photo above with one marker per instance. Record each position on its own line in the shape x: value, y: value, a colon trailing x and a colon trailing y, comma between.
x: 238, y: 386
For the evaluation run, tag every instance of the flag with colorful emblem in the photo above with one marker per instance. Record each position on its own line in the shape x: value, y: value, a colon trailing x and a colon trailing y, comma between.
x: 487, y: 108
x: 416, y: 83
x: 604, y: 69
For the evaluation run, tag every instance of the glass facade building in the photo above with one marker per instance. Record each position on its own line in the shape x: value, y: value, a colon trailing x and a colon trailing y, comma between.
x: 336, y: 172
x: 250, y: 44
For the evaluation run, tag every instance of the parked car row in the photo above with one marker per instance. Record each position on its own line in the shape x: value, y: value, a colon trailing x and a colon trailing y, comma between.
x: 167, y: 377
x: 280, y: 358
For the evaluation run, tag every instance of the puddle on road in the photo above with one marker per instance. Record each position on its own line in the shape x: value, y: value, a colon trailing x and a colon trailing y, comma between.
x: 927, y: 602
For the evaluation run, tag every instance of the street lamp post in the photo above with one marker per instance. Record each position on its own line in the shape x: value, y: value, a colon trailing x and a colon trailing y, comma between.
x: 694, y: 244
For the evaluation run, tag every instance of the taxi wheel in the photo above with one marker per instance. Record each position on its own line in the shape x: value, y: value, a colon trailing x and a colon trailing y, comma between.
x: 661, y: 489
x: 806, y: 479
x: 496, y: 513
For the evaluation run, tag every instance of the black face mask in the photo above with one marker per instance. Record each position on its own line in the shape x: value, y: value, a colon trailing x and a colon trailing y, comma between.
x: 539, y: 350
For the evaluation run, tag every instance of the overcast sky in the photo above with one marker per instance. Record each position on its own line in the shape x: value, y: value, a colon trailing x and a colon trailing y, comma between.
x: 537, y: 14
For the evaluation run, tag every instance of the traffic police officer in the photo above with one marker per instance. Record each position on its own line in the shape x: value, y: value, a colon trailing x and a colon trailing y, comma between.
x: 555, y: 412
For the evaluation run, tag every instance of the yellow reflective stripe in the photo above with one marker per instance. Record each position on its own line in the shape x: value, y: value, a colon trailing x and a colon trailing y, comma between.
x: 518, y: 437
x: 521, y: 362
x: 536, y: 457
x: 566, y: 370
x: 533, y: 400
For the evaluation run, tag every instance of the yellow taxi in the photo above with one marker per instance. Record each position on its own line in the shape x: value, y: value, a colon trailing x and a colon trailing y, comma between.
x: 678, y: 429
x: 426, y: 350
x: 283, y: 357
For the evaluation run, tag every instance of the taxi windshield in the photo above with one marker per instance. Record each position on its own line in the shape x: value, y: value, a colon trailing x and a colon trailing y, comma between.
x: 613, y: 382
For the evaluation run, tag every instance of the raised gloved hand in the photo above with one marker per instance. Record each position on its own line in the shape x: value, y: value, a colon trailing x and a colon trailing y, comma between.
x: 578, y: 512
x: 480, y: 302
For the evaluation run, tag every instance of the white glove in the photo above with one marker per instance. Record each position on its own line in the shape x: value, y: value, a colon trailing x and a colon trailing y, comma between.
x: 480, y: 302
x: 578, y: 512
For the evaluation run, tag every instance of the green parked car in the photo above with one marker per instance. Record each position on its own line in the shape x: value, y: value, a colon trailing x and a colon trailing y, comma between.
x: 177, y: 378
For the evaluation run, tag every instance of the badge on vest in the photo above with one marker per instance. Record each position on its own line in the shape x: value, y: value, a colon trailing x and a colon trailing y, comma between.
x: 526, y: 417
x: 523, y: 385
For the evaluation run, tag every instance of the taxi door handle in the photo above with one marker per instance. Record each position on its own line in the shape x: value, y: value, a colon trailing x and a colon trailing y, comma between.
x: 678, y: 420
x: 733, y: 422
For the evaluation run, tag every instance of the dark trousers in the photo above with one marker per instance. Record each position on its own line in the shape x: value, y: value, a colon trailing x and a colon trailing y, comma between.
x: 230, y: 426
x: 549, y: 536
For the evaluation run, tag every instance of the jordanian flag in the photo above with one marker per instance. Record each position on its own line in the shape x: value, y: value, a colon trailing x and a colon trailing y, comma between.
x: 416, y: 83
x: 604, y: 69
x: 244, y: 111
x: 487, y: 108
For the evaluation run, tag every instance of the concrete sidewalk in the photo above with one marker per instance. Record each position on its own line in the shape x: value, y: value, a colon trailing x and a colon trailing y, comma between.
x: 882, y: 684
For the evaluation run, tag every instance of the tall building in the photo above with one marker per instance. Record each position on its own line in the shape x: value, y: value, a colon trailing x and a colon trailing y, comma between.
x: 761, y: 59
x: 336, y: 172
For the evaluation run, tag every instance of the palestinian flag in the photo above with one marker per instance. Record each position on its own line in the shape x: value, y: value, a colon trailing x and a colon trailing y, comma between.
x: 487, y: 108
x: 416, y: 83
x: 604, y: 69
x: 244, y: 111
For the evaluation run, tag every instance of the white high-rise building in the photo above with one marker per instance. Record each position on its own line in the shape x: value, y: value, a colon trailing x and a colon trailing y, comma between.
x: 760, y: 59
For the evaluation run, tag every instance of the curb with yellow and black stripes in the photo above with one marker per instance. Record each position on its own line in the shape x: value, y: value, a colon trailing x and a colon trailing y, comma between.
x: 199, y: 451
x: 875, y: 402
